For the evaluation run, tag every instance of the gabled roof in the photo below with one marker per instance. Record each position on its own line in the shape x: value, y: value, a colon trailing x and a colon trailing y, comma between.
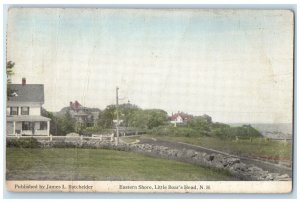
x: 184, y: 116
x: 27, y: 93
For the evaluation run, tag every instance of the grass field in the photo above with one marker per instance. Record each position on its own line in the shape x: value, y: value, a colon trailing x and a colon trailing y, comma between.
x: 257, y: 148
x: 100, y: 164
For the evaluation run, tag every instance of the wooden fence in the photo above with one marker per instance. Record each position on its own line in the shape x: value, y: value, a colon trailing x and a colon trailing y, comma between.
x: 81, y: 137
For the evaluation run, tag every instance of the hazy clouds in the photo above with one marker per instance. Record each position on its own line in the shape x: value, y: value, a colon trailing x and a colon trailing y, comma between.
x: 235, y: 65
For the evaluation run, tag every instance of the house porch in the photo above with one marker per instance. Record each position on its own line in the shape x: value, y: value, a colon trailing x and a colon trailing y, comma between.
x: 27, y: 125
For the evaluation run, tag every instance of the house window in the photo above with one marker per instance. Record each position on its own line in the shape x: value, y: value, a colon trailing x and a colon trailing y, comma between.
x: 14, y: 111
x: 43, y: 125
x: 27, y: 125
x: 24, y: 110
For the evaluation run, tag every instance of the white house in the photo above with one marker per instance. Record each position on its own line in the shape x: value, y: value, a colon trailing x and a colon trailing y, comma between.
x: 177, y: 119
x: 23, y: 112
x: 180, y: 118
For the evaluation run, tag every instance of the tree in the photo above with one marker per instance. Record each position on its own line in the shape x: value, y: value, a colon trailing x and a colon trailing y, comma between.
x: 127, y: 112
x: 148, y: 119
x: 200, y: 123
x: 9, y: 72
x: 208, y: 118
x: 60, y: 125
x: 55, y: 127
x: 68, y: 123
x: 106, y: 117
x: 156, y: 117
x: 139, y: 119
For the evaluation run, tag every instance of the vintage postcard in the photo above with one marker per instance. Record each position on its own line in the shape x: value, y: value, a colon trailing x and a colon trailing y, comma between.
x: 149, y: 100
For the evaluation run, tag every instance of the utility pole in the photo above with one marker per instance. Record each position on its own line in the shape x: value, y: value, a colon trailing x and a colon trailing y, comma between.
x: 117, y: 109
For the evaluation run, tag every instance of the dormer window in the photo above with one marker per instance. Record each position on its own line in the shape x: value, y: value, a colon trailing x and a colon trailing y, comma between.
x: 25, y: 110
x: 14, y: 111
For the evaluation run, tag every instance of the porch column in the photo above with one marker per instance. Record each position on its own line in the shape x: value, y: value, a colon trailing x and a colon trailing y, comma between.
x: 48, y: 128
x: 14, y: 128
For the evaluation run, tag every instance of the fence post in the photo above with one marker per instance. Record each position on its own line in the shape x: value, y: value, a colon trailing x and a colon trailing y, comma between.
x: 51, y: 137
x: 101, y: 137
x: 112, y: 137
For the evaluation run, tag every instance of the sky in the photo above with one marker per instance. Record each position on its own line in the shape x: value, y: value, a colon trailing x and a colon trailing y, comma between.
x: 234, y: 65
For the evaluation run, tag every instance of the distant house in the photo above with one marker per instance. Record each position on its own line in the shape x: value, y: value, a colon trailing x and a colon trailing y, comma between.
x: 180, y: 118
x: 23, y: 111
x: 83, y: 115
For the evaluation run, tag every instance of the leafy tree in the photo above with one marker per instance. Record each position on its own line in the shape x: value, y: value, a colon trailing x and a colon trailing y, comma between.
x: 148, y: 119
x: 207, y: 118
x: 106, y: 117
x: 9, y: 72
x: 200, y: 123
x: 156, y: 117
x: 139, y: 120
x: 68, y: 123
x: 60, y: 125
x: 55, y: 122
x: 126, y: 113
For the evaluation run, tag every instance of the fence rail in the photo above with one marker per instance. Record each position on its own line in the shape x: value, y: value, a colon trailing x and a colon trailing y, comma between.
x: 81, y: 137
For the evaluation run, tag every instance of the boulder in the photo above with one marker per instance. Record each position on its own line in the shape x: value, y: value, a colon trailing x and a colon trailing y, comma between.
x: 190, y: 153
x: 229, y: 161
x: 180, y: 154
x: 73, y: 135
x: 209, y: 157
x: 239, y: 167
x: 270, y: 176
x: 254, y: 169
x: 282, y: 177
x: 172, y: 153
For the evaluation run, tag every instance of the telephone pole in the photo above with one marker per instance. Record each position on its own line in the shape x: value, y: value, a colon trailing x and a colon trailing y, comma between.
x: 117, y: 109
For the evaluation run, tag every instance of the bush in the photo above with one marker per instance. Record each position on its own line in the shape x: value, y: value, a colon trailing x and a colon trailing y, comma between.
x: 194, y: 129
x: 65, y: 145
x: 174, y: 131
x: 23, y: 143
x: 95, y: 130
x: 242, y: 132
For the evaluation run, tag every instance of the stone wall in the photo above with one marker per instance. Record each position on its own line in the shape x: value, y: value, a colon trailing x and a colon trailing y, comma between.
x: 233, y: 165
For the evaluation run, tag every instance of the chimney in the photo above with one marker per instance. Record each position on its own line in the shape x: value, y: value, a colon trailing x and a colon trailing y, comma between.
x: 77, y: 104
x: 23, y: 81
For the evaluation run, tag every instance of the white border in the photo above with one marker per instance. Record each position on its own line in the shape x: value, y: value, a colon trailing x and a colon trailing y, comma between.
x: 211, y: 3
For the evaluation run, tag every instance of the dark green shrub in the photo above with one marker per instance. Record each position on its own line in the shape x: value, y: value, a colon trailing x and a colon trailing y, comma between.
x: 170, y: 130
x: 242, y: 132
x: 23, y: 143
x: 95, y: 130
